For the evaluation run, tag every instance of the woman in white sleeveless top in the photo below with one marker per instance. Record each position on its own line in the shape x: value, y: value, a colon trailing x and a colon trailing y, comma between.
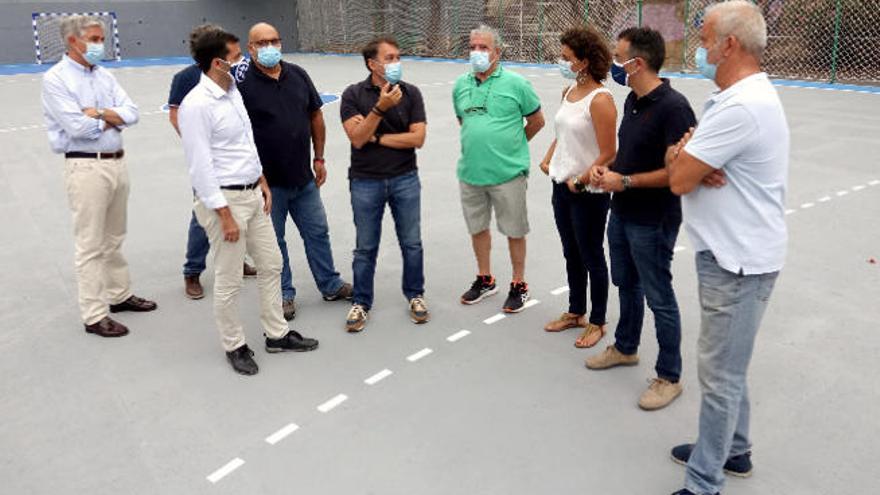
x: 585, y: 137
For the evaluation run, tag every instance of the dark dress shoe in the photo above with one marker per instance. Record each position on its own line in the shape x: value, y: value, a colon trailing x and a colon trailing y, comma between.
x: 687, y: 492
x: 248, y: 271
x: 133, y: 303
x: 192, y: 287
x: 242, y: 361
x: 739, y: 465
x: 293, y: 341
x: 107, y: 327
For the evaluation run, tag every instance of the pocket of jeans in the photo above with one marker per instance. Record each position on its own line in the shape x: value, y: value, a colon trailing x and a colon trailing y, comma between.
x: 765, y: 287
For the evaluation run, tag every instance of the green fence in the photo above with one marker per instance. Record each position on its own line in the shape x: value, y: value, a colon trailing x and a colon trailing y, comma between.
x: 823, y: 40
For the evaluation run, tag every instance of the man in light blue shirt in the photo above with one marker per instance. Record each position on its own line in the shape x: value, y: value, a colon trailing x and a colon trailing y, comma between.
x: 732, y: 173
x: 86, y: 111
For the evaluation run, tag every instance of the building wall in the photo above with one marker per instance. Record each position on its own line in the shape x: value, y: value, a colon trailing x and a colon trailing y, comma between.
x: 148, y: 28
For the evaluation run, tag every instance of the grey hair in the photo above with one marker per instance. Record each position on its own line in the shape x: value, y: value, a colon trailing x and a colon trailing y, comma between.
x: 76, y: 25
x: 743, y: 20
x: 486, y: 29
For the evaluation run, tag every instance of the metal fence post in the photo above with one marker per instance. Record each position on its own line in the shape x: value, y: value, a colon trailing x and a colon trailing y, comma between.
x: 684, y: 43
x: 540, y: 31
x: 586, y: 10
x: 639, y: 5
x: 836, y: 47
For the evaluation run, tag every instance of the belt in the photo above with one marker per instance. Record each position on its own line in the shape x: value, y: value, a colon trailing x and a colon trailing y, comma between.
x: 242, y: 187
x: 116, y: 155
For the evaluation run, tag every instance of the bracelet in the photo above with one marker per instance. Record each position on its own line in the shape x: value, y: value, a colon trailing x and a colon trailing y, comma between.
x: 318, y: 160
x: 378, y: 112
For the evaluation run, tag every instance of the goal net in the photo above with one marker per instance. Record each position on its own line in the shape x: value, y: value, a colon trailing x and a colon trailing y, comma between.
x: 48, y: 45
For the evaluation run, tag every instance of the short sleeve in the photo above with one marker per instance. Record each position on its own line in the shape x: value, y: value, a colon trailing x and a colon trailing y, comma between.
x: 722, y: 135
x: 456, y: 96
x: 679, y: 120
x: 315, y: 102
x: 176, y: 95
x: 417, y: 106
x: 529, y: 103
x: 348, y: 105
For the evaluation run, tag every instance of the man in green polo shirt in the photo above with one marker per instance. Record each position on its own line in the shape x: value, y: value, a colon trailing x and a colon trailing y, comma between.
x: 491, y: 103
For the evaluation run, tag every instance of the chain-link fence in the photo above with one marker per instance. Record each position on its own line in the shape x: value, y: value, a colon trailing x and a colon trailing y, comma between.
x: 826, y: 40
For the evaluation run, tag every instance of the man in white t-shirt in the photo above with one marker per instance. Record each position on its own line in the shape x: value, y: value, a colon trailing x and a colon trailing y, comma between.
x: 732, y: 172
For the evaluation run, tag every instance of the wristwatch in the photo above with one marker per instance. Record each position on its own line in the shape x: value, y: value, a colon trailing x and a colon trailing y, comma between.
x: 627, y: 182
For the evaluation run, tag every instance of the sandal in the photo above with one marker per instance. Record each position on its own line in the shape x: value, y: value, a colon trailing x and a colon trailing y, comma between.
x: 563, y: 323
x: 591, y: 336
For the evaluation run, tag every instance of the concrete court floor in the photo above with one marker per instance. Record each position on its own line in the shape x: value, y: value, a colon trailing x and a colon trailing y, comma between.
x: 508, y: 409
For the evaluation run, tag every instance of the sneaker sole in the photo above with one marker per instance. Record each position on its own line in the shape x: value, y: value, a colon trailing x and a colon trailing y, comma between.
x: 482, y: 296
x: 519, y: 309
x: 107, y: 336
x: 275, y: 350
x: 735, y: 474
x: 418, y: 321
x: 194, y: 297
x: 357, y: 329
x: 662, y: 406
x: 615, y: 365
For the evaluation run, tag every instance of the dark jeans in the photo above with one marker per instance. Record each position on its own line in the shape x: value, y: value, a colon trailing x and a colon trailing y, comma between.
x: 197, y: 247
x: 580, y: 220
x: 368, y: 200
x: 641, y: 259
x: 305, y: 207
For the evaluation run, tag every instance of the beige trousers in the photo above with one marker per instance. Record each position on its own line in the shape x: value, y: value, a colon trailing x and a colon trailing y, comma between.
x: 97, y: 191
x: 257, y: 237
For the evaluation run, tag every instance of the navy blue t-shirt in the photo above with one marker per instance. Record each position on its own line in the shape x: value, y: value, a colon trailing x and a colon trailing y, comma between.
x: 280, y: 112
x: 183, y: 82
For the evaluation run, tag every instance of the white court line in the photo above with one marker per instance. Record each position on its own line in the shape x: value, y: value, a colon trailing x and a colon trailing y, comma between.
x: 458, y: 335
x: 559, y: 290
x: 530, y: 303
x: 492, y: 319
x: 789, y: 212
x: 842, y: 193
x: 225, y: 470
x: 858, y: 187
x: 874, y: 182
x: 378, y: 377
x: 678, y: 248
x: 807, y: 205
x: 824, y: 199
x: 419, y: 355
x: 332, y: 403
x: 281, y: 434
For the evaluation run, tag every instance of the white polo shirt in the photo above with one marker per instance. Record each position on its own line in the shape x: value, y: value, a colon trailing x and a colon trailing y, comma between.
x: 743, y: 132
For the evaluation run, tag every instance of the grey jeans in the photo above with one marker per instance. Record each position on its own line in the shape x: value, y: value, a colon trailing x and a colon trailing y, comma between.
x: 732, y: 307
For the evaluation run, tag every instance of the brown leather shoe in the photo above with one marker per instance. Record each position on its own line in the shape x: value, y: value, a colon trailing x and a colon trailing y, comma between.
x: 192, y: 287
x: 107, y: 327
x: 248, y: 271
x: 133, y: 303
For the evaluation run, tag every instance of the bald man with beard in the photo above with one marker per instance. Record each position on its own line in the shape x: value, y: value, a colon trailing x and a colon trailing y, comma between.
x: 285, y: 112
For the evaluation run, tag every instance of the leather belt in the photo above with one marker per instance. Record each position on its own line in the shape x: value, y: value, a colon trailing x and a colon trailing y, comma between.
x: 242, y: 187
x: 116, y: 155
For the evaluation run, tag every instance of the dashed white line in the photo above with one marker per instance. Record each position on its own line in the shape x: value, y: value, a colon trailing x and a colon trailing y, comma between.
x: 332, y: 403
x: 789, y: 212
x: 458, y: 335
x: 281, y: 434
x: 492, y: 319
x: 225, y: 470
x: 378, y: 377
x: 824, y: 199
x: 858, y: 187
x: 874, y: 182
x: 842, y: 193
x: 807, y: 205
x: 677, y: 249
x: 530, y: 303
x: 419, y: 355
x: 559, y: 290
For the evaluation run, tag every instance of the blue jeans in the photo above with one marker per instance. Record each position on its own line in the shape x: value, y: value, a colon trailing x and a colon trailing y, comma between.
x: 368, y: 200
x: 732, y: 307
x: 305, y: 207
x: 641, y: 260
x: 580, y: 220
x: 197, y: 247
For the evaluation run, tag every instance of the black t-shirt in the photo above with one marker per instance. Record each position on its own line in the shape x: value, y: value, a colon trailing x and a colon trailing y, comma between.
x: 650, y: 125
x: 374, y: 161
x: 280, y: 112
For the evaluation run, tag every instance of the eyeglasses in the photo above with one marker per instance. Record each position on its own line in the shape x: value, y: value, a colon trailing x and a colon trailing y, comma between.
x: 481, y: 110
x: 276, y: 42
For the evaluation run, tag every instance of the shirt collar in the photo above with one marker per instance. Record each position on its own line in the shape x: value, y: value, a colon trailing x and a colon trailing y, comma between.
x: 368, y: 84
x: 658, y: 92
x: 213, y: 88
x: 719, y: 96
x: 259, y: 72
x: 495, y: 73
x: 73, y: 64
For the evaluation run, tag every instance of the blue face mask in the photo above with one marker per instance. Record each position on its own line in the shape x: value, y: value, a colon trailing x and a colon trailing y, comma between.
x: 565, y: 69
x: 393, y: 72
x: 618, y: 73
x: 269, y: 56
x: 703, y: 66
x: 94, y: 53
x: 480, y: 61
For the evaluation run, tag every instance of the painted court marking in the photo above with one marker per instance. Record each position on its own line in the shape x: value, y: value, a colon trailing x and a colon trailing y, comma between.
x: 419, y: 355
x: 225, y: 470
x: 493, y: 319
x: 530, y: 303
x: 559, y: 290
x: 332, y: 403
x: 281, y: 434
x: 458, y: 335
x: 378, y: 377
